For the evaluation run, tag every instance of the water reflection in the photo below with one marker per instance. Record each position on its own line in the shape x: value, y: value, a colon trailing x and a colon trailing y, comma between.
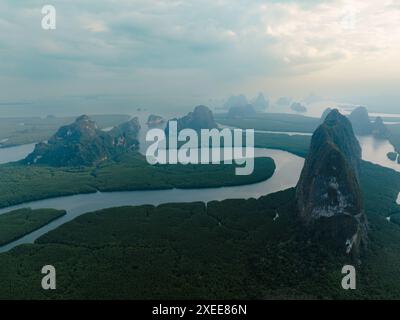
x: 376, y: 150
x: 17, y: 153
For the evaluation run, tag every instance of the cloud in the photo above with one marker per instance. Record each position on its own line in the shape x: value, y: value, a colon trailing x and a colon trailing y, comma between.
x: 113, y: 45
x: 93, y: 24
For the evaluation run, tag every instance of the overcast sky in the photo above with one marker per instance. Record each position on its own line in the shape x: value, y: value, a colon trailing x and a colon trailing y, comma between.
x: 175, y: 50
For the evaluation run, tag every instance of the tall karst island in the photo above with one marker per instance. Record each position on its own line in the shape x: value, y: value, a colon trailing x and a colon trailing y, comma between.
x: 328, y: 194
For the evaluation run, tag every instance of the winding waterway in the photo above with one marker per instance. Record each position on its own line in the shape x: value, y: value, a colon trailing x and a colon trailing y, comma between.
x: 376, y: 150
x: 286, y: 175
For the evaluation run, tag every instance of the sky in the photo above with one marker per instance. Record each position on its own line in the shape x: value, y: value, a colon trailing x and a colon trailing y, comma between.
x: 167, y: 53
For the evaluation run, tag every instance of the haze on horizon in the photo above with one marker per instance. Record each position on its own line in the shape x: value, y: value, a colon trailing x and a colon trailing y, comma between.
x: 177, y: 53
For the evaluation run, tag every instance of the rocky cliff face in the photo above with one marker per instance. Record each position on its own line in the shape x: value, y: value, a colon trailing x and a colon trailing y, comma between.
x: 155, y: 120
x: 82, y: 143
x: 201, y: 118
x: 125, y: 135
x: 360, y: 121
x: 328, y: 194
x: 379, y: 129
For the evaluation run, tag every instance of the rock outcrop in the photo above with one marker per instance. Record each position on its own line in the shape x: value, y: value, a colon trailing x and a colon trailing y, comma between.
x: 392, y: 156
x: 325, y: 114
x: 125, y: 135
x: 155, y: 120
x: 201, y: 118
x: 328, y: 194
x: 298, y: 107
x: 379, y: 129
x: 82, y: 143
x: 260, y: 103
x: 360, y: 121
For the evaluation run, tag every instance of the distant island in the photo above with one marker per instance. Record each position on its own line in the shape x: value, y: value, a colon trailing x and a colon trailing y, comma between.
x: 155, y: 120
x: 82, y: 143
x: 200, y: 118
x: 393, y: 156
x: 298, y: 107
x: 260, y: 103
x: 26, y: 130
x: 239, y: 112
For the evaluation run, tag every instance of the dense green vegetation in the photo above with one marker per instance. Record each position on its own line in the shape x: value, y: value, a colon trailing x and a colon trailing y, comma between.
x: 15, y: 224
x: 17, y: 131
x: 272, y: 122
x: 381, y: 279
x: 395, y: 219
x: 232, y: 249
x: 229, y: 249
x: 130, y: 171
x: 296, y: 144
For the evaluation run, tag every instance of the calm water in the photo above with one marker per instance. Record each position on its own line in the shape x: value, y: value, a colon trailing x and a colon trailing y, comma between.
x: 15, y: 153
x: 376, y: 150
